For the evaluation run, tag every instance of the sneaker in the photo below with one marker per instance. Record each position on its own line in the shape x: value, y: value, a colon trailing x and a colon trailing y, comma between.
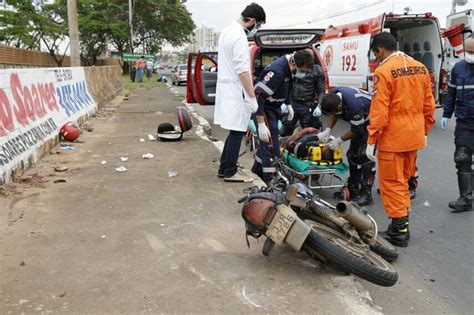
x: 238, y: 178
x: 220, y: 175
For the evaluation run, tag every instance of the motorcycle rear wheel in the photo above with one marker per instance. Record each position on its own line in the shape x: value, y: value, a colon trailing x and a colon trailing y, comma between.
x: 348, y: 256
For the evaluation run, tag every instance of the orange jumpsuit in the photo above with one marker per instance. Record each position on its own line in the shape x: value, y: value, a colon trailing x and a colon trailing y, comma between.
x: 400, y: 116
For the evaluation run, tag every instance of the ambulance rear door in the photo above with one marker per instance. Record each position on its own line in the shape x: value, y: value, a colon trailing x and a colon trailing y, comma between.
x: 459, y: 18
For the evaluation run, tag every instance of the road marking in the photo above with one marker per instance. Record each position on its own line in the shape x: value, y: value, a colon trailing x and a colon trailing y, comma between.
x: 247, y: 299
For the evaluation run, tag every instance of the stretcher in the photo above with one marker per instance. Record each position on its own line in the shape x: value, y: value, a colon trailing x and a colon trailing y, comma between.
x: 314, y: 175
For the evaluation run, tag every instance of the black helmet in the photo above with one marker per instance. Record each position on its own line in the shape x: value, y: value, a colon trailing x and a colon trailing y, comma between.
x: 168, y: 132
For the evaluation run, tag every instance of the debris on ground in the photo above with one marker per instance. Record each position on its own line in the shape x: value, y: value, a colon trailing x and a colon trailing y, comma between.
x: 63, y: 294
x: 22, y: 263
x: 67, y: 147
x: 142, y: 140
x: 57, y: 181
x: 426, y: 204
x: 60, y: 169
x: 124, y: 158
x: 172, y: 174
x: 151, y: 138
x: 33, y: 179
x: 103, y: 162
x: 148, y: 156
x: 121, y: 169
x: 88, y: 128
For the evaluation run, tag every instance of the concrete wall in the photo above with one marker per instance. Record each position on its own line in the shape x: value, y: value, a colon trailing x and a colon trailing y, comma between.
x: 36, y: 103
x: 104, y: 83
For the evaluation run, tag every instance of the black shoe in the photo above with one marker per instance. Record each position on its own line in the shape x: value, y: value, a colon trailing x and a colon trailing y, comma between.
x: 220, y: 175
x: 460, y: 205
x: 398, y: 232
x: 364, y: 198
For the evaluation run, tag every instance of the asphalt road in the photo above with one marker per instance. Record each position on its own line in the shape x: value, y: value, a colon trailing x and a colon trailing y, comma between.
x: 436, y: 270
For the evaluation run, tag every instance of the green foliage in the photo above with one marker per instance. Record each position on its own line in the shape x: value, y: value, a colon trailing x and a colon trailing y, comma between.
x: 27, y: 27
x: 101, y: 24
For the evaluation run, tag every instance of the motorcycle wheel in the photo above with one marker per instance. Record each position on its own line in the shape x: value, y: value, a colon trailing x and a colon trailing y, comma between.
x: 385, y: 249
x: 348, y: 256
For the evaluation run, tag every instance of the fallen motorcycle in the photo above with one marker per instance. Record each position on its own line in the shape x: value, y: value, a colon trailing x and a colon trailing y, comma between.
x: 271, y: 214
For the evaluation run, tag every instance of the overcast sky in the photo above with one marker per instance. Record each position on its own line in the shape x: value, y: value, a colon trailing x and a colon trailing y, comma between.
x: 296, y: 13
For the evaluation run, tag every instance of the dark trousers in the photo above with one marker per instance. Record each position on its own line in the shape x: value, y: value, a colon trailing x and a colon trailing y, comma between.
x: 361, y: 169
x: 303, y: 115
x: 263, y: 158
x: 230, y: 154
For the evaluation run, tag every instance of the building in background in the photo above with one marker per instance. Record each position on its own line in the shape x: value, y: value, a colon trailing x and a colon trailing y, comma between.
x: 204, y: 39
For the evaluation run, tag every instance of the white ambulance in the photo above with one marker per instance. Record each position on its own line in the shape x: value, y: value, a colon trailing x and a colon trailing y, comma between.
x: 345, y: 49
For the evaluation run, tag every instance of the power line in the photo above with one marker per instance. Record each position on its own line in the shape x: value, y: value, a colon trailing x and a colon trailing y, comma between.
x: 340, y: 13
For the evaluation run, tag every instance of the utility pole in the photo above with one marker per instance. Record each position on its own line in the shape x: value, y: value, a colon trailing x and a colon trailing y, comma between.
x: 73, y: 33
x: 130, y: 16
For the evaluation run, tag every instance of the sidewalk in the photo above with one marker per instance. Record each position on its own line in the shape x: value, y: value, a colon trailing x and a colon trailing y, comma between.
x: 143, y: 242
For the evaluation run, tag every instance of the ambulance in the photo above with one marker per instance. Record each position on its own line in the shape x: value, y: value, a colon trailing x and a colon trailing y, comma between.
x: 459, y: 26
x: 345, y: 49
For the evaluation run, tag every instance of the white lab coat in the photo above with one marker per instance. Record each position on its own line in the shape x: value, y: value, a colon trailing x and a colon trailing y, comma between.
x: 232, y: 110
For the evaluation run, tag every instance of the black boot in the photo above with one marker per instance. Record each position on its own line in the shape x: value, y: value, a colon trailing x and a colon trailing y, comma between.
x: 412, y: 184
x: 464, y: 202
x: 365, y: 196
x: 398, y: 232
x: 353, y: 193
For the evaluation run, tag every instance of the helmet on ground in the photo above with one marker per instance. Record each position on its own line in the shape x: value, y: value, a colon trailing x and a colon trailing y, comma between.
x: 168, y: 132
x: 184, y: 118
x: 70, y: 132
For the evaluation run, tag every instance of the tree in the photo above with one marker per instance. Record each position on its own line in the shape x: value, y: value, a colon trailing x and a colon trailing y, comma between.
x: 27, y: 27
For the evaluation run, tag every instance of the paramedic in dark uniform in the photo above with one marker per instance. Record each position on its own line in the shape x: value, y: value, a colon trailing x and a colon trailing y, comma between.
x: 272, y: 90
x: 460, y: 100
x: 355, y: 107
x: 307, y: 92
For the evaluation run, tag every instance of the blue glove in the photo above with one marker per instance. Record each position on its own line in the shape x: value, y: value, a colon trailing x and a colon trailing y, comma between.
x: 444, y: 122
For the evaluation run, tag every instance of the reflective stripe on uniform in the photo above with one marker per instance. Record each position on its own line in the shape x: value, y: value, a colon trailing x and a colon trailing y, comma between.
x: 274, y: 100
x: 258, y: 160
x: 452, y: 85
x: 367, y: 96
x: 265, y: 88
x: 465, y: 87
x: 359, y: 122
x: 268, y: 169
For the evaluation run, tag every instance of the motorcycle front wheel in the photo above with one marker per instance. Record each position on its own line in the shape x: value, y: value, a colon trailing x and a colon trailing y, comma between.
x: 349, y: 256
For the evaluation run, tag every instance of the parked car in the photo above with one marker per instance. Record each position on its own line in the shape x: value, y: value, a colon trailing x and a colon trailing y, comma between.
x: 265, y: 47
x: 179, y: 74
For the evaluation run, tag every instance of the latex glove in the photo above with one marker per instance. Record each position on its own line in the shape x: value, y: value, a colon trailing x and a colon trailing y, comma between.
x: 324, y: 136
x: 444, y: 122
x: 426, y: 142
x: 253, y: 105
x: 291, y: 112
x: 263, y: 132
x: 335, y: 143
x: 284, y: 109
x: 370, y: 152
x: 317, y: 112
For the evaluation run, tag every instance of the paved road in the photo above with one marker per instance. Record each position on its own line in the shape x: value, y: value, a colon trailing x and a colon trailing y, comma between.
x: 436, y: 270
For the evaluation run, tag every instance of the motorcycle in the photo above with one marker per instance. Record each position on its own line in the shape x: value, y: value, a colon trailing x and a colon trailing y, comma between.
x: 345, y: 235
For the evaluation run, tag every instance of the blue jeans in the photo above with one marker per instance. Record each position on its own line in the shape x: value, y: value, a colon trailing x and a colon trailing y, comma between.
x: 230, y: 154
x: 140, y: 73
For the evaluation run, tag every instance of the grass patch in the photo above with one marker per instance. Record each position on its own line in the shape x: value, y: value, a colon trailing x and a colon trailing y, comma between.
x: 130, y: 86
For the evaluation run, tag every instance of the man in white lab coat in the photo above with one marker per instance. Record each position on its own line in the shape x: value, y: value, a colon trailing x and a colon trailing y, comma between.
x: 235, y: 98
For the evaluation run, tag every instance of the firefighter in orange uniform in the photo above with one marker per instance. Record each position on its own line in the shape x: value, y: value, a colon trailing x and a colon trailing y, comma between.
x: 400, y: 118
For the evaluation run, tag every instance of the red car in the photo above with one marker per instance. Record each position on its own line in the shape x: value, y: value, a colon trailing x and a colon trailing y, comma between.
x: 265, y: 47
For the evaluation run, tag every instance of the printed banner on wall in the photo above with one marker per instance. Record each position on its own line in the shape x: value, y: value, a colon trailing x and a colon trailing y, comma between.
x: 34, y: 105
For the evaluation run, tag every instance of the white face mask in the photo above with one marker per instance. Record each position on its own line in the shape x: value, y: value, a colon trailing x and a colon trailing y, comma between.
x: 469, y: 58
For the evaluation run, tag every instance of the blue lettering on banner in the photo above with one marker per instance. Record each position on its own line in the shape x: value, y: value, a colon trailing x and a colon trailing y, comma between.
x: 73, y: 97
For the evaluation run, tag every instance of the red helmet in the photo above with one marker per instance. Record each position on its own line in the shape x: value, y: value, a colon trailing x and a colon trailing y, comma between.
x: 70, y: 132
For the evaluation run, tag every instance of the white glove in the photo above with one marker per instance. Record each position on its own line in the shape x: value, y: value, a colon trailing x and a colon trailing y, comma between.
x: 370, y: 152
x: 291, y: 112
x: 253, y: 105
x: 324, y: 136
x: 426, y: 141
x: 444, y: 122
x: 317, y: 112
x: 263, y: 132
x: 284, y: 109
x: 335, y: 143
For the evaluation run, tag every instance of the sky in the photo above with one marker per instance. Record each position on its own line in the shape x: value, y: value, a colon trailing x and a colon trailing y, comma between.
x: 296, y: 13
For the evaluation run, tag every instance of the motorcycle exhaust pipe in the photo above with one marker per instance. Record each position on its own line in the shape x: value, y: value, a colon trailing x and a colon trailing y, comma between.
x: 354, y: 216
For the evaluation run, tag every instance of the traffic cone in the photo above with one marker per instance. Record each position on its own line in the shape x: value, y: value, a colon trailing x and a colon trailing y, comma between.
x: 454, y: 35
